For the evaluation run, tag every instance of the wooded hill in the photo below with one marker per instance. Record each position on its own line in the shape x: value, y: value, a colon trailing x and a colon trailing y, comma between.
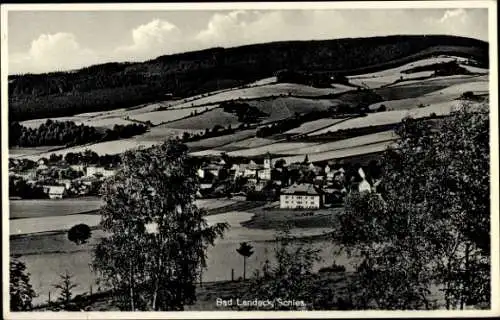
x: 117, y: 85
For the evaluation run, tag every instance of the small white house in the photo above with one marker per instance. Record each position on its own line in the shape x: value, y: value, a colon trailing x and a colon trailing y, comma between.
x: 92, y: 171
x: 56, y: 192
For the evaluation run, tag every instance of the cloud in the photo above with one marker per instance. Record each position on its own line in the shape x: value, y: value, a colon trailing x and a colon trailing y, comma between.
x: 50, y: 52
x: 455, y: 14
x: 152, y: 39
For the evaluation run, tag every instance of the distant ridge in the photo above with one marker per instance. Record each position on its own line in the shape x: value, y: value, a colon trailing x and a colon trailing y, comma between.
x: 117, y: 85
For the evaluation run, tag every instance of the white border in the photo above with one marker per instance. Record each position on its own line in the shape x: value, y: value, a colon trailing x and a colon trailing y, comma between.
x: 494, y: 156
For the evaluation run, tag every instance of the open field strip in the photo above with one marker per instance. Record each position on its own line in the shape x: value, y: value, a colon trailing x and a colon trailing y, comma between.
x: 215, y: 142
x: 286, y: 107
x: 314, y: 125
x: 18, y: 152
x: 263, y: 82
x: 343, y: 144
x: 443, y: 80
x: 172, y: 114
x: 164, y: 132
x: 459, y: 89
x: 253, y: 142
x: 101, y: 148
x: 272, y: 148
x: 206, y: 120
x: 377, y: 82
x: 272, y: 90
x: 400, y: 69
x: 391, y: 117
x: 413, y: 103
x: 386, y: 77
x: 338, y: 154
x: 475, y: 69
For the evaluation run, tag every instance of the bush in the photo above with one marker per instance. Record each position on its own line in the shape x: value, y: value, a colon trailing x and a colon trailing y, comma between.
x: 79, y: 233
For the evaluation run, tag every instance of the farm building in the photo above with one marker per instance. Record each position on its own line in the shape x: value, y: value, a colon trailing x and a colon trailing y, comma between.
x: 91, y: 171
x: 55, y: 192
x: 78, y: 167
x: 304, y: 196
x: 255, y: 171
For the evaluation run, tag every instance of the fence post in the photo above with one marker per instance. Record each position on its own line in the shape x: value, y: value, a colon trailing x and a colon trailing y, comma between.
x: 49, y: 298
x: 232, y: 274
x: 90, y: 289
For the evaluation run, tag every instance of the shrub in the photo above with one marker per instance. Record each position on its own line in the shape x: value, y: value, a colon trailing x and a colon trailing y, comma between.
x: 79, y: 233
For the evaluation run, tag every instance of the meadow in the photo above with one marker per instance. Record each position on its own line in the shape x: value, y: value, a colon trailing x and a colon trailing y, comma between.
x: 50, y: 207
x: 207, y: 120
x: 215, y: 142
x: 391, y: 117
x: 273, y: 149
x: 286, y: 107
x: 253, y: 142
x: 315, y: 125
x: 337, y: 154
x: 374, y: 138
x: 48, y: 255
x: 271, y: 90
x: 169, y: 115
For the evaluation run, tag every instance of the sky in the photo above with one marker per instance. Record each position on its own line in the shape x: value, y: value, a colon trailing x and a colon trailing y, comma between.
x: 43, y: 41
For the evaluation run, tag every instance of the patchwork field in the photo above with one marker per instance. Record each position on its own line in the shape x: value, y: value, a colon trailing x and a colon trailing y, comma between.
x: 247, y: 143
x: 271, y: 90
x: 164, y: 132
x: 220, y: 141
x: 102, y: 148
x: 263, y: 82
x: 385, y: 77
x: 273, y: 148
x: 337, y: 154
x: 17, y: 152
x: 390, y: 117
x: 343, y: 144
x: 283, y: 108
x: 314, y: 125
x: 206, y: 120
x: 159, y: 117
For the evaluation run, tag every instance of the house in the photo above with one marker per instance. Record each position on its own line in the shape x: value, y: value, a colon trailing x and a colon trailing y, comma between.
x: 201, y: 173
x: 56, y: 192
x: 212, y: 169
x: 251, y: 169
x: 65, y: 182
x: 301, y: 196
x: 92, y: 171
x: 78, y: 167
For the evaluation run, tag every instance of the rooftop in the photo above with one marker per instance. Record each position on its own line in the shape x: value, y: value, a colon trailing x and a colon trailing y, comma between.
x: 302, y: 189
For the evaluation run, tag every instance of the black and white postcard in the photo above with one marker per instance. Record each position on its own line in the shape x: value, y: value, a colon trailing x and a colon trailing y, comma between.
x: 250, y: 160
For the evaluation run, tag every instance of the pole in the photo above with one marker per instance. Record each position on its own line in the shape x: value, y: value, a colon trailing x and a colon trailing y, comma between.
x: 49, y: 297
x: 232, y: 274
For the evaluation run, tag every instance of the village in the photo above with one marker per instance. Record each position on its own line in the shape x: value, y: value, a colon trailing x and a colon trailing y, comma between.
x: 303, y: 185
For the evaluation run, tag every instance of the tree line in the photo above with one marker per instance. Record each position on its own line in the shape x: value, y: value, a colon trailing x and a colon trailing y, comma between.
x: 67, y: 133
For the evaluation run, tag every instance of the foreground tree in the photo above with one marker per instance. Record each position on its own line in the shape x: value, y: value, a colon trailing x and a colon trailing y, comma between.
x: 158, y: 237
x: 245, y: 250
x: 429, y: 230
x: 66, y: 286
x: 290, y: 277
x: 21, y: 291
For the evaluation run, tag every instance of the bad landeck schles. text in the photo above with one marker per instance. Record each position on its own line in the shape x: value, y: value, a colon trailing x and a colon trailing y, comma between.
x: 259, y: 303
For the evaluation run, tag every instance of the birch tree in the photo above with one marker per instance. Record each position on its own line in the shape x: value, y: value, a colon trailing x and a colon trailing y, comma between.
x: 158, y: 237
x: 424, y: 242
